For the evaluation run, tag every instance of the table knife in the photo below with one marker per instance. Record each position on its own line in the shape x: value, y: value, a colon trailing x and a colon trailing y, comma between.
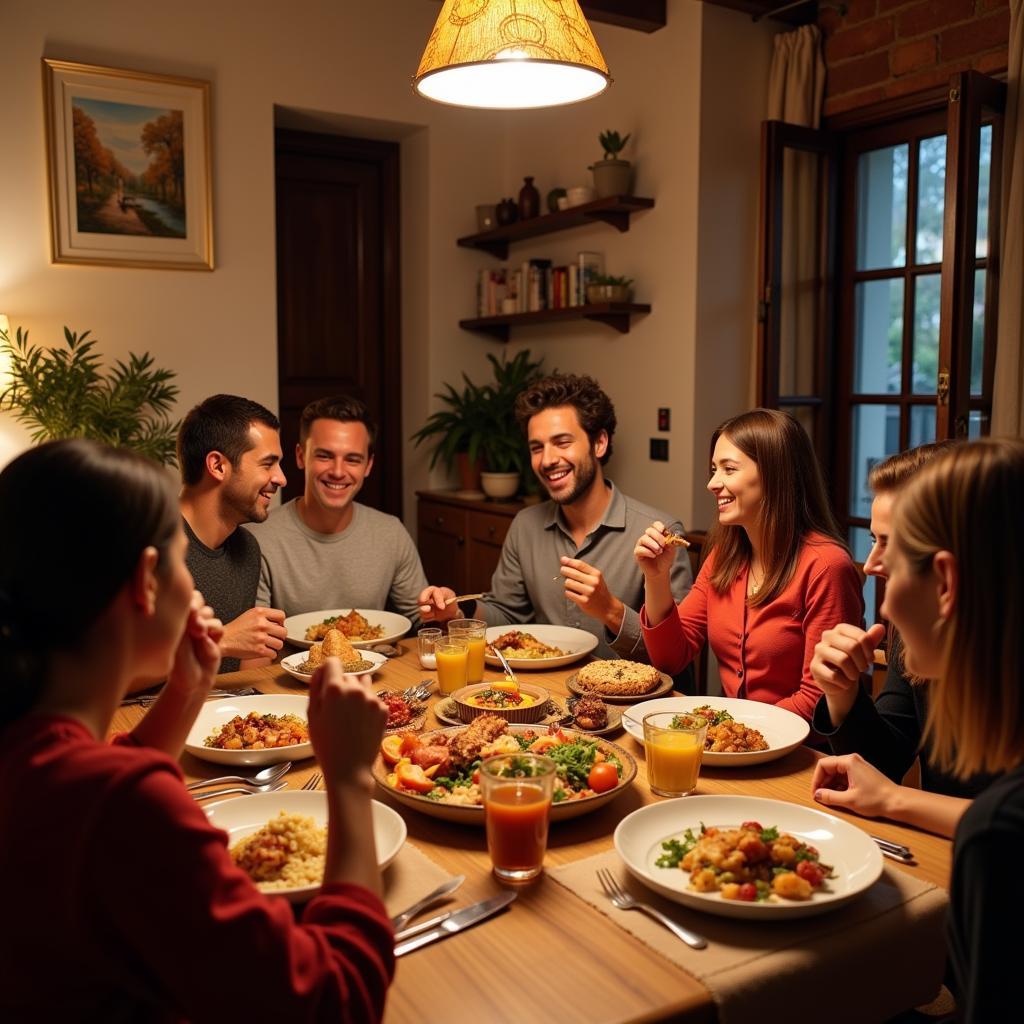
x: 457, y: 921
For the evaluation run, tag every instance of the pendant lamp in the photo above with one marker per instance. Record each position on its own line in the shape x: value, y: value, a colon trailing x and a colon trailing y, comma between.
x: 511, y: 55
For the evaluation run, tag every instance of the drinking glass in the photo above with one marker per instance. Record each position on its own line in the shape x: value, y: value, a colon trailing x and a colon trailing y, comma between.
x: 674, y: 745
x: 451, y: 654
x: 474, y: 631
x: 517, y: 791
x: 425, y: 641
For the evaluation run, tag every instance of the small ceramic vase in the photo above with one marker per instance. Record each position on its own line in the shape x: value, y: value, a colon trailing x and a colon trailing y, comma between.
x: 529, y: 200
x: 507, y: 212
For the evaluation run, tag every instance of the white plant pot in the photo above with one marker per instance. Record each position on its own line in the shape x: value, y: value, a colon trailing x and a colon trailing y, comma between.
x: 499, y: 485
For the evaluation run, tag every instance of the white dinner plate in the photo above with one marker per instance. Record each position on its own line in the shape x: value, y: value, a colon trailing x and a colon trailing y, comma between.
x: 855, y: 859
x: 293, y: 661
x: 216, y: 713
x: 243, y: 815
x: 395, y: 625
x: 782, y: 730
x: 577, y: 643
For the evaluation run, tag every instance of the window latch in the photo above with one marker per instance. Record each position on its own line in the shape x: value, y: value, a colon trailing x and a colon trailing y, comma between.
x: 943, y: 387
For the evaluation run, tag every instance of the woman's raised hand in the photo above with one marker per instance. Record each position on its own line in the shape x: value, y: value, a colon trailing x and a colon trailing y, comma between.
x: 198, y: 655
x: 841, y: 656
x: 346, y: 722
x: 652, y: 554
x: 851, y: 783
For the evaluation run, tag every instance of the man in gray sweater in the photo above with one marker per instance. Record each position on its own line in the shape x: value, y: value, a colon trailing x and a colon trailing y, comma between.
x: 324, y: 550
x: 585, y: 533
x: 229, y: 453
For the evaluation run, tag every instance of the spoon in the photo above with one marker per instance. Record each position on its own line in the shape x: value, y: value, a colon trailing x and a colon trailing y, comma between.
x: 400, y: 920
x: 261, y: 778
x: 504, y: 663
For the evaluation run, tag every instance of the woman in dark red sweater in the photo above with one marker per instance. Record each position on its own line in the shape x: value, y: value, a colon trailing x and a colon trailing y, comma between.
x: 121, y: 902
x: 776, y: 575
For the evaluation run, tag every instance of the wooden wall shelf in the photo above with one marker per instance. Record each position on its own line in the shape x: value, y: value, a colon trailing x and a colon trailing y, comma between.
x: 613, y: 210
x: 614, y: 314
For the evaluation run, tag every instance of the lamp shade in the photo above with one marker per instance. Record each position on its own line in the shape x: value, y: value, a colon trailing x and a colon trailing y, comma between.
x: 511, y: 55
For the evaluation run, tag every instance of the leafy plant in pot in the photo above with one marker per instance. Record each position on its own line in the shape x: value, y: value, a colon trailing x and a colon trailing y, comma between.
x: 612, y: 176
x: 608, y: 288
x: 479, y: 423
x: 62, y: 393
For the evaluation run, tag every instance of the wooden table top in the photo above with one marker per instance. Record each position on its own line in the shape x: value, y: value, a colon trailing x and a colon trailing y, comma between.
x: 577, y: 967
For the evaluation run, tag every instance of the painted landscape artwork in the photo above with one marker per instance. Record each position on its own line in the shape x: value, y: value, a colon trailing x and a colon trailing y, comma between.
x: 129, y: 169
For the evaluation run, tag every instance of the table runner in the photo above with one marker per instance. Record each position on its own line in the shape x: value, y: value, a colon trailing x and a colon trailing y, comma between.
x: 879, y: 955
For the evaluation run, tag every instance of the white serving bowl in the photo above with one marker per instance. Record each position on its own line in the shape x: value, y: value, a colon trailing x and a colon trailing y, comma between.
x: 216, y: 713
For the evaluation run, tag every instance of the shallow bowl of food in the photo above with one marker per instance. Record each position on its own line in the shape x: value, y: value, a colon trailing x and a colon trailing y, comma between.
x: 522, y: 703
x: 381, y: 627
x: 294, y: 664
x: 642, y: 838
x: 242, y: 817
x: 538, y: 646
x: 463, y: 803
x: 249, y: 742
x: 780, y: 730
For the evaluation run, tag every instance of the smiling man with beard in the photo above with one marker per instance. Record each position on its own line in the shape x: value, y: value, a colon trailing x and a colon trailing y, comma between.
x: 583, y: 532
x: 229, y: 451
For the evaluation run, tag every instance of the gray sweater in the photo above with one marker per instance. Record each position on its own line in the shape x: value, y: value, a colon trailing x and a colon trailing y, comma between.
x: 372, y: 563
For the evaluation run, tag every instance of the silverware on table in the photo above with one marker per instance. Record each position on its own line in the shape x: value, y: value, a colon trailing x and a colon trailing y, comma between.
x: 425, y: 926
x: 622, y: 900
x: 247, y: 790
x: 313, y: 782
x: 504, y: 662
x: 458, y: 920
x: 897, y: 851
x: 264, y: 777
x: 446, y: 888
x: 146, y: 699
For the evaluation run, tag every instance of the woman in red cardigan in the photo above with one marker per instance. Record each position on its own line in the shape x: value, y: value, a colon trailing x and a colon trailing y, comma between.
x: 122, y: 902
x: 776, y: 575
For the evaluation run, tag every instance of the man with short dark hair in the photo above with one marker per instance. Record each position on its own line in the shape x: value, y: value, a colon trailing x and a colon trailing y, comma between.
x: 587, y: 530
x: 229, y: 453
x: 325, y: 550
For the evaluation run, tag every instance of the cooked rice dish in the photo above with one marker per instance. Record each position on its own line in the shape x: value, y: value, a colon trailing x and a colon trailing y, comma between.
x: 259, y: 732
x: 287, y: 852
x: 516, y: 644
x: 335, y: 645
x: 618, y: 677
x: 354, y: 625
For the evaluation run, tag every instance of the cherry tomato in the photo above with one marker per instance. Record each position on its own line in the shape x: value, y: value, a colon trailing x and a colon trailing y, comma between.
x: 748, y: 892
x: 810, y: 872
x: 602, y: 777
x: 476, y: 777
x: 751, y: 826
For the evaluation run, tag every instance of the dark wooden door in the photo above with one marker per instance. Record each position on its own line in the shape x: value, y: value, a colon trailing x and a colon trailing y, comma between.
x: 338, y: 292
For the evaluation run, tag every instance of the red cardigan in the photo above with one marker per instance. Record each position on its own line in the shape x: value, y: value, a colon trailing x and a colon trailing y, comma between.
x: 764, y: 653
x: 122, y: 904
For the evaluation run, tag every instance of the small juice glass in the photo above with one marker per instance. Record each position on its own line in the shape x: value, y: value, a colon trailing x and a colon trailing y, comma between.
x: 475, y: 632
x: 517, y: 791
x: 451, y: 654
x: 674, y: 745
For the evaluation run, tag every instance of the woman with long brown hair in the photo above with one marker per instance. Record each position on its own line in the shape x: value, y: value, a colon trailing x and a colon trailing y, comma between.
x: 776, y: 574
x: 956, y: 595
x: 126, y: 902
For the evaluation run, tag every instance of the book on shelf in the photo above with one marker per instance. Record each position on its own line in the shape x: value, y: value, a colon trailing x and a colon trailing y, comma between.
x: 536, y: 285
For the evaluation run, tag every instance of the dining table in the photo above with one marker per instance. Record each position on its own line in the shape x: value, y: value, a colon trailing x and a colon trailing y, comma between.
x: 552, y: 956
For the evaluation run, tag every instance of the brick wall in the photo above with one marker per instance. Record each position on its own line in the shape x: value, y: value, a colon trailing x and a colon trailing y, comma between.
x: 882, y: 49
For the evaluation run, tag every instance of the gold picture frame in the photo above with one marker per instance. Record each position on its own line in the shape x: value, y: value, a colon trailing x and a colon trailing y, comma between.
x: 129, y: 167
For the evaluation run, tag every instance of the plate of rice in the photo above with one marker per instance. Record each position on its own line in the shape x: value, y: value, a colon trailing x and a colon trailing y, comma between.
x: 280, y: 839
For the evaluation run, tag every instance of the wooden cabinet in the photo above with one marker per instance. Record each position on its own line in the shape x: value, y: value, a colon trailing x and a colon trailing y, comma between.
x: 460, y: 540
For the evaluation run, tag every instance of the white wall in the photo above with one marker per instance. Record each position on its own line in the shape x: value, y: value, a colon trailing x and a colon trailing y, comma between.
x: 690, y: 93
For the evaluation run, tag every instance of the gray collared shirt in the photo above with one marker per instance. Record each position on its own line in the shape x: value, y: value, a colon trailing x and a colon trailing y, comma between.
x: 523, y: 589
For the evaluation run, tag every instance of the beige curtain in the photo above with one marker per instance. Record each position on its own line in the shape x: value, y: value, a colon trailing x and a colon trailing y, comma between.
x: 796, y: 86
x: 1008, y: 396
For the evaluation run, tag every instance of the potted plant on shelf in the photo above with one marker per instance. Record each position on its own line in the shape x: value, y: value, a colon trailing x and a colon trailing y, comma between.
x: 612, y: 176
x: 608, y: 288
x: 479, y: 426
x: 63, y: 393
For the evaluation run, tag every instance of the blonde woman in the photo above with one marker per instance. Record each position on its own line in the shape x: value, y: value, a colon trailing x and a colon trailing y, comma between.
x: 777, y: 574
x: 956, y: 595
x: 888, y: 732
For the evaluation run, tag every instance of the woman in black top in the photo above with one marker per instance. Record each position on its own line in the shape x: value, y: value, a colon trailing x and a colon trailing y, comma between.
x: 956, y: 595
x: 887, y: 733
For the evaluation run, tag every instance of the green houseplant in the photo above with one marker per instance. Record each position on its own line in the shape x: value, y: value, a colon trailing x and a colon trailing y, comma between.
x: 612, y: 175
x: 479, y: 421
x: 63, y: 392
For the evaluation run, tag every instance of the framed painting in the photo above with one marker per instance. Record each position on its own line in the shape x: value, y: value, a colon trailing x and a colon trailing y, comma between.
x: 129, y: 167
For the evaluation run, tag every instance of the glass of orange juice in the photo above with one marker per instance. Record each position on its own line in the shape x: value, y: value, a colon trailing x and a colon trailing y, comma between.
x: 517, y: 791
x: 674, y: 745
x: 475, y: 632
x: 451, y: 654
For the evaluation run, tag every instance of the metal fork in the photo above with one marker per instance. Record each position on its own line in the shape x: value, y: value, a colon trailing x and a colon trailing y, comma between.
x: 247, y: 790
x: 622, y: 900
x: 313, y: 782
